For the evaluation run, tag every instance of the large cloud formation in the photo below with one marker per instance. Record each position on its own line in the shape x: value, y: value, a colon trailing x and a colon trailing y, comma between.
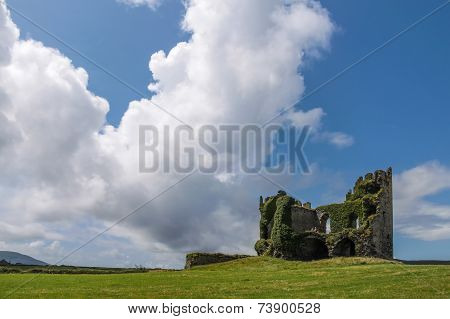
x: 239, y: 66
x: 67, y: 174
x: 49, y: 153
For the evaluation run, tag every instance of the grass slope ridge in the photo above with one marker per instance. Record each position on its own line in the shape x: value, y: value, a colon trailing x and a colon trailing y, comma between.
x: 254, y: 277
x: 15, y: 258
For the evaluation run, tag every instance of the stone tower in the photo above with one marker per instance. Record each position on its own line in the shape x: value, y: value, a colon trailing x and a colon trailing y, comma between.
x: 383, y: 222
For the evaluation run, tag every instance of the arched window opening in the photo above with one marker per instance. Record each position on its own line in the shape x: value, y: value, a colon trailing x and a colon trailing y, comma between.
x: 328, y: 226
x: 353, y: 221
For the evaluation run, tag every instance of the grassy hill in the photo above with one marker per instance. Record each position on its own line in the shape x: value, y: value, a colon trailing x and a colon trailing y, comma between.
x: 255, y: 277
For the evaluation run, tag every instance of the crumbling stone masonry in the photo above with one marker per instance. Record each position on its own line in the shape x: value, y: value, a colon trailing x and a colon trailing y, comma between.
x: 360, y: 226
x: 199, y: 259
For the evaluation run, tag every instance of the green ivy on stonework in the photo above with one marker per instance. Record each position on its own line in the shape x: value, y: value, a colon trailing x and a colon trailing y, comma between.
x: 282, y: 230
x: 267, y: 212
x: 341, y: 214
x: 363, y: 187
x: 264, y: 247
x: 361, y: 203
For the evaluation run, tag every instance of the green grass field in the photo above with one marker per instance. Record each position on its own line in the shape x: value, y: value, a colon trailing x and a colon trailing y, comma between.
x: 256, y: 277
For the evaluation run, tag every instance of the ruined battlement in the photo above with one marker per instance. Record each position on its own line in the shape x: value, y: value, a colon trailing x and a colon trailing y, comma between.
x: 360, y: 226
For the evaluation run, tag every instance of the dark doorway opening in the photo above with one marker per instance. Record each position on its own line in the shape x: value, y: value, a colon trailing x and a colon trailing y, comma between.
x: 314, y: 248
x: 345, y: 248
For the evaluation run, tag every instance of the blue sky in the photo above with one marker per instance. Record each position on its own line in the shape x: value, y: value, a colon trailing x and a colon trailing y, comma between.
x: 396, y: 104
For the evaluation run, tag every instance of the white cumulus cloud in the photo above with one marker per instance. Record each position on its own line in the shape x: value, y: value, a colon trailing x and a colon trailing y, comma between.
x: 415, y: 214
x: 338, y: 139
x: 240, y: 65
x: 136, y: 3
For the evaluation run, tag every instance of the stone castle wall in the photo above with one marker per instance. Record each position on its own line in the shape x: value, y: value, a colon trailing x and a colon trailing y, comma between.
x: 304, y: 219
x: 360, y: 226
x: 200, y: 259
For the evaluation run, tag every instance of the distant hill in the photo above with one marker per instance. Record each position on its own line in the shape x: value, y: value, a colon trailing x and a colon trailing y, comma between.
x: 16, y: 258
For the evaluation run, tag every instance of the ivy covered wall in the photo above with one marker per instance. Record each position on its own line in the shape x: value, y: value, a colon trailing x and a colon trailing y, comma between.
x: 369, y: 201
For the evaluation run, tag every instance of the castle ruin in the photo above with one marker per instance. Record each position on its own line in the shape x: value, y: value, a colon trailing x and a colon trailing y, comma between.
x: 360, y: 226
